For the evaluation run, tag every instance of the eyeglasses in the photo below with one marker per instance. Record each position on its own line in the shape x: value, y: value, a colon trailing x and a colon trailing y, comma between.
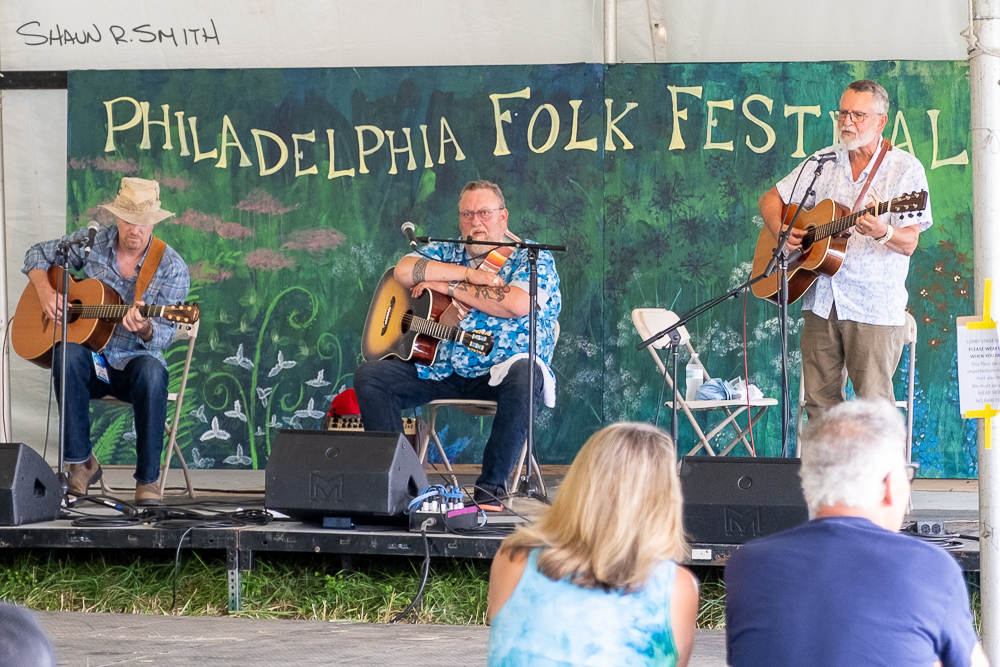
x: 482, y: 214
x: 911, y: 471
x: 853, y: 116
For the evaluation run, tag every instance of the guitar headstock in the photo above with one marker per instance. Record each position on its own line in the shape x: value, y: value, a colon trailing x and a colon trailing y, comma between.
x: 184, y: 313
x: 914, y: 201
x: 479, y: 341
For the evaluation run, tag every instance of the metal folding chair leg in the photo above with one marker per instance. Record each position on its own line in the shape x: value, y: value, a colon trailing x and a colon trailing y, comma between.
x: 425, y: 443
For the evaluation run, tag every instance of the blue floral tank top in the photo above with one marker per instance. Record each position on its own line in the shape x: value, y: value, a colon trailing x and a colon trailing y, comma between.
x: 549, y: 623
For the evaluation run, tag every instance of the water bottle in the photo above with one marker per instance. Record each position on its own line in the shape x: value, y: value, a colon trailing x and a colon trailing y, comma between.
x: 695, y: 378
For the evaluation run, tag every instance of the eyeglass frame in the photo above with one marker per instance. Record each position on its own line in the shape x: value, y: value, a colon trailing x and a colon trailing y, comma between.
x: 482, y: 214
x: 911, y: 471
x: 856, y: 117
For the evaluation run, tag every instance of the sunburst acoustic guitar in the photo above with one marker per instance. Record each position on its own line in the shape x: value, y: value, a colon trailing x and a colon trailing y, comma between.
x: 399, y: 325
x: 823, y: 247
x: 94, y: 309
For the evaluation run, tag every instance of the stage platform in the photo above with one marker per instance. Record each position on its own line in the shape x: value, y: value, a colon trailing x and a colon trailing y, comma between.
x: 953, y: 501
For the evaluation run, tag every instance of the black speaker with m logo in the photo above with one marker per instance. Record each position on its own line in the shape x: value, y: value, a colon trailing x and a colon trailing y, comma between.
x: 734, y: 500
x: 29, y: 489
x: 366, y: 477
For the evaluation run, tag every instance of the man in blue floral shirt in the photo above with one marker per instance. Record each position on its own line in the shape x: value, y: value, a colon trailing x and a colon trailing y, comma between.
x: 131, y: 366
x: 496, y: 302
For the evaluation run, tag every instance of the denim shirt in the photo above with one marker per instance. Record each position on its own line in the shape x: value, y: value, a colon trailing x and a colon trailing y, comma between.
x: 510, y: 334
x: 168, y: 286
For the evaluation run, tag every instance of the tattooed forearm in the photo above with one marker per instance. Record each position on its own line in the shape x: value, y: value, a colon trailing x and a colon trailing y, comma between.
x: 497, y: 294
x: 419, y: 269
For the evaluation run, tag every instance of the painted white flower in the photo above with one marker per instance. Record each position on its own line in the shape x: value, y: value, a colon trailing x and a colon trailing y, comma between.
x: 281, y: 365
x: 318, y: 381
x: 236, y: 412
x: 238, y: 359
x: 215, y: 433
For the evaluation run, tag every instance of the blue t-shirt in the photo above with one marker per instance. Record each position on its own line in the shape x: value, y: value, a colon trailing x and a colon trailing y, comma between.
x: 843, y: 591
x: 549, y: 623
x: 510, y: 335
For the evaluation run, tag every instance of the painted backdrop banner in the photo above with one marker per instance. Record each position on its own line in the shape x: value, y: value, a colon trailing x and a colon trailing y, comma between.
x: 290, y: 186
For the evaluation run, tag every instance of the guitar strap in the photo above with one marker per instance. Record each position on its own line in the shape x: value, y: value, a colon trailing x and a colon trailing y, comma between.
x: 149, y: 266
x: 885, y: 148
x: 493, y: 263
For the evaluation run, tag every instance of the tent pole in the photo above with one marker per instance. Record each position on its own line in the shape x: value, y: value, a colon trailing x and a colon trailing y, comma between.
x: 610, y: 32
x: 984, y: 70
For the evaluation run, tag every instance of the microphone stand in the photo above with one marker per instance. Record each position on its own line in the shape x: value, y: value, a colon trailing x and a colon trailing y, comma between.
x: 780, y: 259
x: 528, y: 486
x: 62, y: 256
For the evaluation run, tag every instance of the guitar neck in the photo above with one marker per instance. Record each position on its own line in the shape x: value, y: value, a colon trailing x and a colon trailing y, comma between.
x: 111, y: 311
x: 837, y: 226
x: 437, y: 330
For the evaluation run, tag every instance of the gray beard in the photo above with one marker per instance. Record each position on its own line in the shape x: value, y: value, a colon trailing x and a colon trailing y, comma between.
x: 860, y: 140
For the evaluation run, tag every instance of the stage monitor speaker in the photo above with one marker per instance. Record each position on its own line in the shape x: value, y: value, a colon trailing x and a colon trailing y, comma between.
x: 29, y: 489
x: 367, y: 477
x: 734, y: 500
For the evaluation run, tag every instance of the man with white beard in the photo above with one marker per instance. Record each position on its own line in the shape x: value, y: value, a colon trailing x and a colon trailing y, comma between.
x: 854, y: 321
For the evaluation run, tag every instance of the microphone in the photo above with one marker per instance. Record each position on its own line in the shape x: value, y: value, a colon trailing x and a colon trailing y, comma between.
x: 407, y: 229
x: 91, y: 235
x: 826, y: 157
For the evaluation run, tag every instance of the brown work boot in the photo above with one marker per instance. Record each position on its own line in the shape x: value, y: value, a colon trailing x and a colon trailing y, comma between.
x: 84, y: 475
x: 148, y: 494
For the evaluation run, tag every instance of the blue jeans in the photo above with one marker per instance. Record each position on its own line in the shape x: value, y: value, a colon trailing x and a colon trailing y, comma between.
x: 388, y: 386
x: 143, y: 383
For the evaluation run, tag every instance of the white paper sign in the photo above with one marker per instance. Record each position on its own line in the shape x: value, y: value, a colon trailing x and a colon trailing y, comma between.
x: 978, y: 366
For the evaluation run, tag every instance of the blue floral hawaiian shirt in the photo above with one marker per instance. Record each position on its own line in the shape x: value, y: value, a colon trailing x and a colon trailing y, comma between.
x: 510, y: 335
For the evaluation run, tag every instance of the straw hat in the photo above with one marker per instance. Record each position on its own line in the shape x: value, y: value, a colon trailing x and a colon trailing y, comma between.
x: 138, y: 202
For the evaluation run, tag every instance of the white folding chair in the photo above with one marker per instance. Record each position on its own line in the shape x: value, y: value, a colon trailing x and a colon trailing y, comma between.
x: 911, y: 343
x: 189, y: 333
x: 649, y: 321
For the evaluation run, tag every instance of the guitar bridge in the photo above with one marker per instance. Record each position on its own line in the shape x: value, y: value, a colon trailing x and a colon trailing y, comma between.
x: 388, y: 314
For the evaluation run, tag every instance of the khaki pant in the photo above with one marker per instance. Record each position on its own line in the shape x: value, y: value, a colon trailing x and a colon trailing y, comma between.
x: 833, y: 350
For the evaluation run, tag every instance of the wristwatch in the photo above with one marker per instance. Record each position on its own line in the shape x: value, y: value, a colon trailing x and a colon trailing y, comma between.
x: 888, y: 235
x: 451, y: 288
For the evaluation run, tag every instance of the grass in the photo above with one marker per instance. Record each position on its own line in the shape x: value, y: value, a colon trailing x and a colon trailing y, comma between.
x: 279, y: 586
x: 294, y: 586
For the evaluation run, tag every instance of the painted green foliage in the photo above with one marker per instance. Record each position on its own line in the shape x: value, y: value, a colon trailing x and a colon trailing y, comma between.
x: 284, y: 265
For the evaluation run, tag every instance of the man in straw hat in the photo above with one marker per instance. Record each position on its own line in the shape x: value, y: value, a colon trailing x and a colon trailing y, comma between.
x: 131, y: 367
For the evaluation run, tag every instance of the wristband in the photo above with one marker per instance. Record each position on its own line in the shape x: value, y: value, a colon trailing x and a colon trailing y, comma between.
x: 466, y: 277
x: 451, y: 288
x: 888, y: 235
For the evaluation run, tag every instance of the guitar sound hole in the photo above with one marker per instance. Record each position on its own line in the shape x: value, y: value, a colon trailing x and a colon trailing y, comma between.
x: 405, y: 324
x: 73, y: 317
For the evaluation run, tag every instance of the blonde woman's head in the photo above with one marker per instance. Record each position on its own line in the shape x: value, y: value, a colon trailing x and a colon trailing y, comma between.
x: 617, y: 514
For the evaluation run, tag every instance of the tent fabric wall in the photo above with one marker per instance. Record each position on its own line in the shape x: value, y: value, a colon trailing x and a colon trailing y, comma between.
x: 349, y: 33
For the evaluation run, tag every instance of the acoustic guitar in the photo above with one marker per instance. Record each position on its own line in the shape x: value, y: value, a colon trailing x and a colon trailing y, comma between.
x: 94, y: 309
x: 400, y: 326
x: 823, y: 247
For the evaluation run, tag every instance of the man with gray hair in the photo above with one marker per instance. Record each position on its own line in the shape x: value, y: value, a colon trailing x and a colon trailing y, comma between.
x: 855, y: 320
x: 846, y: 588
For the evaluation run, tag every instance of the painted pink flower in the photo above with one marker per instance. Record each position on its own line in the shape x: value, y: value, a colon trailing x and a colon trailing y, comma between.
x: 315, y: 240
x: 233, y: 230
x: 267, y: 260
x: 199, y: 272
x: 103, y: 164
x: 174, y: 182
x: 123, y: 166
x: 259, y: 201
x: 203, y: 222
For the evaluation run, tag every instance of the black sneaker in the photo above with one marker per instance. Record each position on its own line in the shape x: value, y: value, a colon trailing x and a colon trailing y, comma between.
x: 494, y: 496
